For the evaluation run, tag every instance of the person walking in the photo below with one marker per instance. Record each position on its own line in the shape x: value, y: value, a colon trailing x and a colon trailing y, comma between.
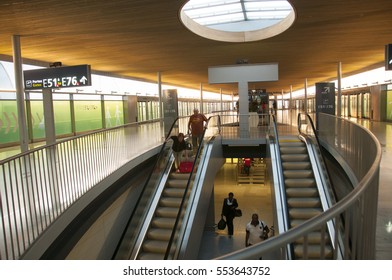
x: 256, y: 231
x: 196, y: 127
x: 228, y: 210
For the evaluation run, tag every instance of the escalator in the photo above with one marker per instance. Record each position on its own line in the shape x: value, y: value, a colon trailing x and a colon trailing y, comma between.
x: 303, y: 198
x: 302, y: 192
x: 158, y: 235
x: 164, y: 217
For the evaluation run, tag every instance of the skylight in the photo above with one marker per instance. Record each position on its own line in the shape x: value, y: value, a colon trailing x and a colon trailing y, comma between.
x: 212, y: 18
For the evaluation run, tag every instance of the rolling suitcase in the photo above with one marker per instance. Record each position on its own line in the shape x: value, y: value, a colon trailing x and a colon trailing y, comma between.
x: 186, y: 166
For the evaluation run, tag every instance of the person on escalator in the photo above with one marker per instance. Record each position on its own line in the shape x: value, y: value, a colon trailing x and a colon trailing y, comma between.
x: 179, y: 146
x: 196, y: 128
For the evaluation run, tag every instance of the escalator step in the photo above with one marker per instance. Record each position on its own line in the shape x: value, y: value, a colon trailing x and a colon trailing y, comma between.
x: 167, y: 212
x: 151, y: 256
x: 298, y: 173
x: 171, y: 183
x: 313, y: 252
x: 302, y: 192
x: 304, y: 202
x: 155, y: 246
x: 170, y: 201
x: 300, y: 183
x: 304, y: 213
x: 296, y: 165
x: 163, y: 222
x: 313, y: 238
x: 173, y: 192
x: 294, y: 157
x: 293, y: 150
x: 159, y: 234
x: 292, y: 143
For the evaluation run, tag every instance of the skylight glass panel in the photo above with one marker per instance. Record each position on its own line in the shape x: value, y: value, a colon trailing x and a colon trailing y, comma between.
x: 201, y: 12
x: 221, y: 19
x: 267, y: 15
x: 237, y: 16
x: 267, y: 5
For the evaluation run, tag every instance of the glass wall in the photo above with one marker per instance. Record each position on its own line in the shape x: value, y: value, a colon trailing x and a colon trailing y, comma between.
x: 389, y: 105
x: 114, y: 113
x: 87, y: 115
x: 9, y: 131
x: 366, y: 105
x: 354, y: 105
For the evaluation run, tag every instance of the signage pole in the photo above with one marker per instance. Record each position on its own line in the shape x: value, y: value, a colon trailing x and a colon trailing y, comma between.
x: 160, y: 96
x: 306, y: 97
x: 20, y: 100
x: 221, y: 97
x: 201, y: 99
x: 50, y: 132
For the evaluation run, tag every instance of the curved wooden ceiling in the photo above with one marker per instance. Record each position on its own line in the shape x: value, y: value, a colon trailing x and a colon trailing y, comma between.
x: 140, y: 38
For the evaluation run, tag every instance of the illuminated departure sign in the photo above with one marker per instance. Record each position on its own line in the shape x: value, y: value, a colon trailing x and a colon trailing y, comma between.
x: 60, y: 77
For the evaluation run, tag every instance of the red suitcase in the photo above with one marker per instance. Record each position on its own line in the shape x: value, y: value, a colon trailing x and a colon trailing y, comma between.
x: 186, y: 166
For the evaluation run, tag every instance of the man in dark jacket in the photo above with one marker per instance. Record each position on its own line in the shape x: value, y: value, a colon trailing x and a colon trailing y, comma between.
x: 228, y: 210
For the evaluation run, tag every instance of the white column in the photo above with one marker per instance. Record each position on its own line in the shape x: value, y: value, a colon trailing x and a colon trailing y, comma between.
x: 160, y: 96
x: 20, y: 100
x: 339, y: 105
x: 201, y: 99
x: 221, y: 99
x: 244, y: 109
x: 50, y: 132
x: 306, y: 97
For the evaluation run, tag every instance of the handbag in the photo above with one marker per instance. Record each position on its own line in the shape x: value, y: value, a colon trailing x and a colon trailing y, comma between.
x: 222, y: 224
x: 237, y: 213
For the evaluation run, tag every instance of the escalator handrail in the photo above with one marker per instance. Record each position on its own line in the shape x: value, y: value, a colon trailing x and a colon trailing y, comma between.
x: 318, y: 147
x: 326, y: 190
x: 282, y: 193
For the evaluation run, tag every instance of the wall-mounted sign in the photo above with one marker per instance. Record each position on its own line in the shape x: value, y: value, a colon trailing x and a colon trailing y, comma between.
x: 60, y: 77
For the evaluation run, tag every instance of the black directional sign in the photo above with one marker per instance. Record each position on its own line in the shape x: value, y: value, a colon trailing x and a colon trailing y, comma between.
x: 388, y: 57
x: 60, y: 77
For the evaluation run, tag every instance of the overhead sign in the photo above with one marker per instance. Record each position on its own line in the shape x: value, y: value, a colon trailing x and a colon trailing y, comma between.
x: 59, y: 77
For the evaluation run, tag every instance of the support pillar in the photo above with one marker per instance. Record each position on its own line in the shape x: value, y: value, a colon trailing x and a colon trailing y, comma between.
x: 339, y: 109
x: 20, y: 100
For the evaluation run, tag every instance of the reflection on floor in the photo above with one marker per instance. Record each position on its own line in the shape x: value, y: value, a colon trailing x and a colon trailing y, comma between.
x: 252, y: 198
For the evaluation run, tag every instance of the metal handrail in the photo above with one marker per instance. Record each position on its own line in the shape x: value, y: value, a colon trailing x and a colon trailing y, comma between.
x: 37, y: 186
x: 279, y: 191
x: 356, y: 212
